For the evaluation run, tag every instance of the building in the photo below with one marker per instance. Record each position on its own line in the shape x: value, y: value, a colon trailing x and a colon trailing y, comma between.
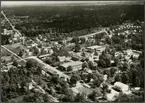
x: 112, y: 95
x: 97, y: 47
x: 63, y: 58
x: 133, y: 53
x: 76, y: 65
x: 124, y: 87
x: 7, y: 32
x: 80, y: 88
x: 75, y: 56
x: 47, y: 68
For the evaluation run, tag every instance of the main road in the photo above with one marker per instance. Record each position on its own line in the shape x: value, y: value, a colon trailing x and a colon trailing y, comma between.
x: 47, y: 68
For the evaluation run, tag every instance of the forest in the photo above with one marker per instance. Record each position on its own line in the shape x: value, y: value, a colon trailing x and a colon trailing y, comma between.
x: 68, y: 19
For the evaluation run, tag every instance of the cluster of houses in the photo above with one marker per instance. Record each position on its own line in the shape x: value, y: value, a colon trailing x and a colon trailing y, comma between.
x: 128, y: 55
x: 91, y: 52
x: 125, y: 29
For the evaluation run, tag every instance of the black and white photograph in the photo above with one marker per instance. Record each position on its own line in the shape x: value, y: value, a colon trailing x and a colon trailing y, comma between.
x: 72, y: 51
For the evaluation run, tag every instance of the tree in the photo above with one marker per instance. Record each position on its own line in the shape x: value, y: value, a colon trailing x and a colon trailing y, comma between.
x: 95, y: 53
x: 54, y: 79
x: 125, y: 78
x: 97, y: 81
x: 74, y: 78
x: 77, y: 48
x: 104, y: 60
x: 69, y: 96
x: 47, y: 98
x: 118, y: 78
x: 48, y: 61
x: 118, y: 47
x: 83, y: 54
x: 104, y: 88
x: 113, y: 71
x: 69, y: 68
x: 108, y: 40
x: 129, y: 98
x: 81, y: 97
x: 95, y: 93
x: 63, y: 52
x: 108, y: 63
x: 107, y: 72
x: 116, y: 61
x: 139, y: 81
x: 36, y: 51
x: 85, y: 65
x: 102, y: 63
x: 126, y: 66
x: 29, y: 64
x: 90, y: 64
x: 20, y: 53
x: 89, y: 77
x: 15, y: 63
x: 82, y: 40
x: 75, y: 40
x: 122, y: 98
x: 39, y: 70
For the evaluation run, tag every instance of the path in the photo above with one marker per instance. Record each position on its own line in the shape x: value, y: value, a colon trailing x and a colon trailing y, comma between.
x: 13, y: 53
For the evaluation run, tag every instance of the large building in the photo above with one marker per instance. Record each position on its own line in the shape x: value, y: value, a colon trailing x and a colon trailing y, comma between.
x: 76, y: 65
x: 97, y: 47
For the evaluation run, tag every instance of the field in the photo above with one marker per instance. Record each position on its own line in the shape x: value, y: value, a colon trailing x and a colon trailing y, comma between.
x: 14, y: 47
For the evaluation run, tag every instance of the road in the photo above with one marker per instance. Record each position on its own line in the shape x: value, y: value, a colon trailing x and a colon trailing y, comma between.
x: 20, y: 98
x: 13, y: 27
x: 48, y: 68
x: 7, y: 19
x: 13, y: 53
x: 91, y: 34
x: 88, y: 35
x: 33, y: 82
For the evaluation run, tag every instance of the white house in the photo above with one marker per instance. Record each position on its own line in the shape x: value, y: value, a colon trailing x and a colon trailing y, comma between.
x: 124, y: 87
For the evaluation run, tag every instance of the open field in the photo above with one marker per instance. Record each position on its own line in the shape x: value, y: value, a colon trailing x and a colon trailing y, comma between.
x: 14, y: 47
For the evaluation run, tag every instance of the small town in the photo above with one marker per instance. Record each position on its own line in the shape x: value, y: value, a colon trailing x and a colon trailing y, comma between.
x: 106, y: 65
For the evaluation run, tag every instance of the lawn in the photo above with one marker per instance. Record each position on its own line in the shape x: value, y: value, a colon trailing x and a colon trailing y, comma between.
x: 14, y: 48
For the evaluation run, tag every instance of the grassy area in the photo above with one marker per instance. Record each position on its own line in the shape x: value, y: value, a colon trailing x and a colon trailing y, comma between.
x: 7, y: 58
x: 14, y: 47
x: 20, y: 98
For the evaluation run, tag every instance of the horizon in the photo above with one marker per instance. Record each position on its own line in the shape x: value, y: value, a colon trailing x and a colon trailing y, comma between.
x: 65, y: 3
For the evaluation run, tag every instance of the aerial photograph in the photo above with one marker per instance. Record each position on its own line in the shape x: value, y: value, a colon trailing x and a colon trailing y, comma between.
x: 72, y: 51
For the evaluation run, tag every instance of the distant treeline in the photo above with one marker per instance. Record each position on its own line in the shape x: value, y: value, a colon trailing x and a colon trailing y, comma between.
x: 66, y: 19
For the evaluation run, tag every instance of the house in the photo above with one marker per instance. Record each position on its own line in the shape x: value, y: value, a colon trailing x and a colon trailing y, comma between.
x: 16, y: 35
x: 97, y: 47
x: 124, y: 87
x: 81, y: 88
x: 76, y: 65
x: 75, y: 91
x: 7, y: 32
x: 63, y: 58
x: 112, y: 95
x: 84, y: 89
x: 75, y: 56
x: 133, y: 53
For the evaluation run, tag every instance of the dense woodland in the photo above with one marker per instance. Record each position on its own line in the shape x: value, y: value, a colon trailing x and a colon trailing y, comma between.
x: 71, y: 19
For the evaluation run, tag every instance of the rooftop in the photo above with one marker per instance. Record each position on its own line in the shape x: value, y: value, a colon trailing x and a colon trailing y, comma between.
x: 72, y: 63
x: 97, y: 47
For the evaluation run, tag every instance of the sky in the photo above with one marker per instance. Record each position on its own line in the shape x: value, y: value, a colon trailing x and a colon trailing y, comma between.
x: 20, y: 3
